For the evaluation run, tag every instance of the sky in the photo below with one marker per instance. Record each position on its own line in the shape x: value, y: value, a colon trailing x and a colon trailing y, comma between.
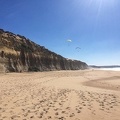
x: 86, y: 30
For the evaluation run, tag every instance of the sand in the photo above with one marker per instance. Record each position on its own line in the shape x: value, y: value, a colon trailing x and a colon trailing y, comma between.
x: 60, y: 95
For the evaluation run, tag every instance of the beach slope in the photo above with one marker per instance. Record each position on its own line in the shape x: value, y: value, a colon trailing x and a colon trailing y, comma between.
x: 60, y: 95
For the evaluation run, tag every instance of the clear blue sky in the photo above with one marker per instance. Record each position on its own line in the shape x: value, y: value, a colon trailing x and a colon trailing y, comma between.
x: 63, y: 25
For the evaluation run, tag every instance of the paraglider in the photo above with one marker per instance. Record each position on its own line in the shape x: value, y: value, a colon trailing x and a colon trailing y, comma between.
x: 78, y: 48
x: 69, y: 41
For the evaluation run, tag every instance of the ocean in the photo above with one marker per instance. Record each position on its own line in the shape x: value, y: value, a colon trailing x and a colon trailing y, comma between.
x: 112, y: 69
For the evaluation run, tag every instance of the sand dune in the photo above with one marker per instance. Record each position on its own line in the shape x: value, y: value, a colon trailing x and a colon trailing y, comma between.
x: 60, y: 95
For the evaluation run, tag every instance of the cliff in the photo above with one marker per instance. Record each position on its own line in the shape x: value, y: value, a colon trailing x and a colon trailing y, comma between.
x: 18, y: 54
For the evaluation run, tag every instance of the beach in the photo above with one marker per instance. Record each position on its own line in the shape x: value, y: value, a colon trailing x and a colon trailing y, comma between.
x: 60, y: 95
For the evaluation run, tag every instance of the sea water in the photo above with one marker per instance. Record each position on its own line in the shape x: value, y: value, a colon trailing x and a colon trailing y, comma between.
x: 112, y: 69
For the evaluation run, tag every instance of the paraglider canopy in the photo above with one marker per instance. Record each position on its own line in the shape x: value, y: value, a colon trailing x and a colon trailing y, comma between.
x: 78, y: 48
x: 69, y: 41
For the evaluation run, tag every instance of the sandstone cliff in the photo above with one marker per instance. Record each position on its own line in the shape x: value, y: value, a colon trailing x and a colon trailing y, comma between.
x: 19, y: 54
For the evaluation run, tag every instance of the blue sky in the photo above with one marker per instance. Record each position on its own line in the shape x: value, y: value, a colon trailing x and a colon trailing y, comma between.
x: 92, y: 25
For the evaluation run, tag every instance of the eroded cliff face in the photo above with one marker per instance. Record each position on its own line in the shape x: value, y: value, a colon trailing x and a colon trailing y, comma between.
x: 19, y: 54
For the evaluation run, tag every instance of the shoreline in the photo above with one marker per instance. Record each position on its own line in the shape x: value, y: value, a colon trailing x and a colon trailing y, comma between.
x: 107, y: 69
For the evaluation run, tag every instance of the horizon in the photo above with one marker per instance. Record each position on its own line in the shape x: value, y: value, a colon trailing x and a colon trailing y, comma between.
x: 81, y: 30
x: 104, y: 65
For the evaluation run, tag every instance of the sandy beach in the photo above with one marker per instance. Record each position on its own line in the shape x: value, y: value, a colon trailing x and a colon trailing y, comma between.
x: 60, y: 95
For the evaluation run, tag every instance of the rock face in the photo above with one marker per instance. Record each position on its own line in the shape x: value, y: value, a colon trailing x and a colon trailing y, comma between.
x: 19, y: 54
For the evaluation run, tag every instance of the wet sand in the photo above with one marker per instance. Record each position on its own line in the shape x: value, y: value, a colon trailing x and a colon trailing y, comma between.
x: 60, y: 95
